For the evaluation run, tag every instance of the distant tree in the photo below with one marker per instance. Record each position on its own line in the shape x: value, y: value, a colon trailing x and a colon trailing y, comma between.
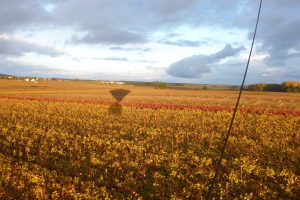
x: 273, y: 88
x: 160, y: 85
x: 265, y: 87
x: 256, y: 87
x: 291, y: 86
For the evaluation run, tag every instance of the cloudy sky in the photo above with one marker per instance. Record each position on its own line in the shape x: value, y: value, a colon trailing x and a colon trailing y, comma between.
x: 194, y: 41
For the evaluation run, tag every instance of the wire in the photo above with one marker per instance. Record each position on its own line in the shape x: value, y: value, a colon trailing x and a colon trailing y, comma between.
x: 211, y: 187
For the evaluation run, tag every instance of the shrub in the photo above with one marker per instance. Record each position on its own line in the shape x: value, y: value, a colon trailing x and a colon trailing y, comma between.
x: 160, y: 85
x: 265, y: 87
x: 291, y: 86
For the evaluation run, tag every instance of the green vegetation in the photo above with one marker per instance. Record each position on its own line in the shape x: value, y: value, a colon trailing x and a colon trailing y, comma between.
x: 160, y: 85
x: 288, y: 86
x: 265, y: 87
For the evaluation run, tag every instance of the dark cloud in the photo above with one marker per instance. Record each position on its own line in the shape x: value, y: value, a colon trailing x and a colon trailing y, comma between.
x: 105, y: 22
x: 13, y: 47
x: 120, y: 22
x: 17, y: 15
x: 279, y: 31
x: 227, y: 51
x: 196, y: 66
x: 110, y: 36
x: 191, y: 67
x: 168, y: 12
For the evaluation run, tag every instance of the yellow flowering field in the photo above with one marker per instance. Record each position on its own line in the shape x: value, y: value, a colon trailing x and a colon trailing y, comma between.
x: 68, y: 140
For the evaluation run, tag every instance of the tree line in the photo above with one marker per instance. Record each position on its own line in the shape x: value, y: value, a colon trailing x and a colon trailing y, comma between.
x: 288, y: 86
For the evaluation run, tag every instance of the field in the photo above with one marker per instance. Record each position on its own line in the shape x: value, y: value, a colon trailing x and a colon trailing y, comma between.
x: 73, y: 140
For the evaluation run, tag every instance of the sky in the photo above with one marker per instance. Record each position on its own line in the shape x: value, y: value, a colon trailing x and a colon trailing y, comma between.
x: 194, y: 41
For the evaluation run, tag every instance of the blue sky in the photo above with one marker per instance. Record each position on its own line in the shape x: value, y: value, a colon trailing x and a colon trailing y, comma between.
x: 195, y: 41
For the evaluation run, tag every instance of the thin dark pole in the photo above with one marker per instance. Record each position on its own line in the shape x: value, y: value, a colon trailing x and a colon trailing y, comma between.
x: 211, y: 187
